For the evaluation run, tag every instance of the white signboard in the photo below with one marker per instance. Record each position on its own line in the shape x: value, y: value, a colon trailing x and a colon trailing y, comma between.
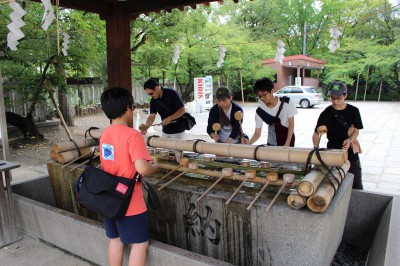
x: 203, y: 93
x: 208, y: 91
x: 297, y: 81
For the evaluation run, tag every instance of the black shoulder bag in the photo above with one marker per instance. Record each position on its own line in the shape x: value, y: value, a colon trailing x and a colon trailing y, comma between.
x: 339, y: 118
x: 103, y: 193
x: 187, y: 119
x: 281, y: 132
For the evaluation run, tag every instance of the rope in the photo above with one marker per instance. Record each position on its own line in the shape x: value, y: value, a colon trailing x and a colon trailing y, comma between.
x: 255, y: 151
x: 329, y: 169
x: 149, y: 138
x: 87, y: 132
x: 195, y: 143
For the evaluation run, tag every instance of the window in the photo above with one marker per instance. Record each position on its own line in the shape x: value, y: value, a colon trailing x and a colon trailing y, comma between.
x: 310, y: 90
x: 296, y: 90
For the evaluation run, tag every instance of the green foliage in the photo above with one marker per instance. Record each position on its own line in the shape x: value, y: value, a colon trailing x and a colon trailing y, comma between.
x: 369, y: 53
x: 25, y: 67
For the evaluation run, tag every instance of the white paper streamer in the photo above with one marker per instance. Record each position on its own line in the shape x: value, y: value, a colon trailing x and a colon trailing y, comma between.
x: 280, y: 50
x: 65, y: 43
x: 335, y: 34
x: 222, y: 52
x: 176, y: 54
x: 15, y: 33
x: 48, y: 15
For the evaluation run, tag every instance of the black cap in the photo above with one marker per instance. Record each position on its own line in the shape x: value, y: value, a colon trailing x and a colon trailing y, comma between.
x: 337, y: 89
x: 223, y: 93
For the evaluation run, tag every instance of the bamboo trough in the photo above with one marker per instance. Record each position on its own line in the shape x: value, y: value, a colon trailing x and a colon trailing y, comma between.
x: 274, y: 154
x: 69, y: 152
x: 320, y: 201
x: 315, y: 191
x: 212, y: 173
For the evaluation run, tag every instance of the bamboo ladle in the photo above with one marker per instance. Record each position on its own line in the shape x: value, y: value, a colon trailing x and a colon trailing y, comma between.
x: 249, y: 174
x: 321, y: 130
x: 239, y: 116
x: 183, y: 162
x: 225, y: 172
x: 216, y: 127
x: 144, y: 127
x: 191, y: 166
x: 271, y: 176
x: 287, y: 179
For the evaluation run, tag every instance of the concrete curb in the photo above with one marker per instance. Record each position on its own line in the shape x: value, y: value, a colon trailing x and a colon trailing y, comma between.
x: 86, y: 238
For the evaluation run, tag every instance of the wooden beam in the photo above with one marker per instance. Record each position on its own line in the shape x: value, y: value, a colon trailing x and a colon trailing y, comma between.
x: 101, y: 7
x: 138, y: 7
x: 131, y: 8
x: 118, y: 50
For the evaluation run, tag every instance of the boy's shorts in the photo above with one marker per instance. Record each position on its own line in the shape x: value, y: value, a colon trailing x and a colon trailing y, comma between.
x: 130, y: 229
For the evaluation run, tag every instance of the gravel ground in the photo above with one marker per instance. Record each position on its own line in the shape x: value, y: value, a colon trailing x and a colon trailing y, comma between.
x: 33, y: 152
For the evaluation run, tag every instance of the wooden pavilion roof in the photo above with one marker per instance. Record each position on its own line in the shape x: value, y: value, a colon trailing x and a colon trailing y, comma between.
x: 130, y: 8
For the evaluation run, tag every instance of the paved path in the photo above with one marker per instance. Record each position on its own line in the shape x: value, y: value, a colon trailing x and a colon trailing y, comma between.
x: 380, y: 139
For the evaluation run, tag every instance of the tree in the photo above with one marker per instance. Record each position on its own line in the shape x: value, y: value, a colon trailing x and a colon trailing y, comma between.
x: 37, y: 59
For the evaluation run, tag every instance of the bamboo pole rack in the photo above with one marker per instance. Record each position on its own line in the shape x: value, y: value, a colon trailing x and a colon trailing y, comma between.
x: 269, y: 153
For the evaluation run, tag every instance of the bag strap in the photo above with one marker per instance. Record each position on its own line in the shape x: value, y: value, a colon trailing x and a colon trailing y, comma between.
x: 340, y: 118
x: 91, y: 157
x: 267, y: 118
x: 283, y: 100
x: 87, y: 132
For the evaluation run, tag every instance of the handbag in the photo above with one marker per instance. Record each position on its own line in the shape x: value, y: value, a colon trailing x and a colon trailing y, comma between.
x: 281, y: 131
x: 103, y: 193
x: 188, y: 120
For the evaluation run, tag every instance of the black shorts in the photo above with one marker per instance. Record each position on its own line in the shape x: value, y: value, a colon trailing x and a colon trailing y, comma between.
x: 130, y: 229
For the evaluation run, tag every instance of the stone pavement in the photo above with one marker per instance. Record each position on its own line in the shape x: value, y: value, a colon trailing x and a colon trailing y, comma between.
x: 380, y: 140
x: 380, y: 160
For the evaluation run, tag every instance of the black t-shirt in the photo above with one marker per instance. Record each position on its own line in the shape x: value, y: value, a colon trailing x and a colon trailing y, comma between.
x: 337, y: 133
x: 166, y: 106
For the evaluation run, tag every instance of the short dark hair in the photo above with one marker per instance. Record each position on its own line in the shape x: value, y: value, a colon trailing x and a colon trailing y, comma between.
x: 150, y: 84
x: 115, y: 101
x: 264, y: 84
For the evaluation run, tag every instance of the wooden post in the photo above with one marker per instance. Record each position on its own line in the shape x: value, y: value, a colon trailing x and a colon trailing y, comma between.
x: 366, y: 85
x: 8, y: 225
x: 3, y: 123
x: 380, y: 90
x: 241, y: 86
x: 118, y: 33
x: 58, y: 110
x: 358, y: 79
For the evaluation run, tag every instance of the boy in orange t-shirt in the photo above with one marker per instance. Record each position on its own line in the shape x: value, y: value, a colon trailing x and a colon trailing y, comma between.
x: 123, y: 152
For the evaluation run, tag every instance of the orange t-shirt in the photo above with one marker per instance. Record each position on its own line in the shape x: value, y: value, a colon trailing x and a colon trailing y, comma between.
x: 120, y: 147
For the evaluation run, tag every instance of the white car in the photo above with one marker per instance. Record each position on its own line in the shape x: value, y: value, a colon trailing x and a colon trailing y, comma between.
x: 305, y: 96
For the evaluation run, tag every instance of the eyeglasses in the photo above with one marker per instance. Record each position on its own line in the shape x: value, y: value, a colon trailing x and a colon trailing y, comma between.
x: 263, y: 95
x: 150, y: 93
x: 336, y: 99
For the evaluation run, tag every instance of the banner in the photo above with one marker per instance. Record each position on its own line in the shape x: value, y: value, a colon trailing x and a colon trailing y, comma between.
x: 203, y: 93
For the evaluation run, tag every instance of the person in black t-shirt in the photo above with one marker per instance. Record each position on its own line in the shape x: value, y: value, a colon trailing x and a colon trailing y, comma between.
x: 167, y: 103
x: 343, y: 122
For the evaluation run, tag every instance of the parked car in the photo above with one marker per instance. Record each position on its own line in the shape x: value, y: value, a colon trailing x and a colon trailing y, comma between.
x: 305, y: 96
